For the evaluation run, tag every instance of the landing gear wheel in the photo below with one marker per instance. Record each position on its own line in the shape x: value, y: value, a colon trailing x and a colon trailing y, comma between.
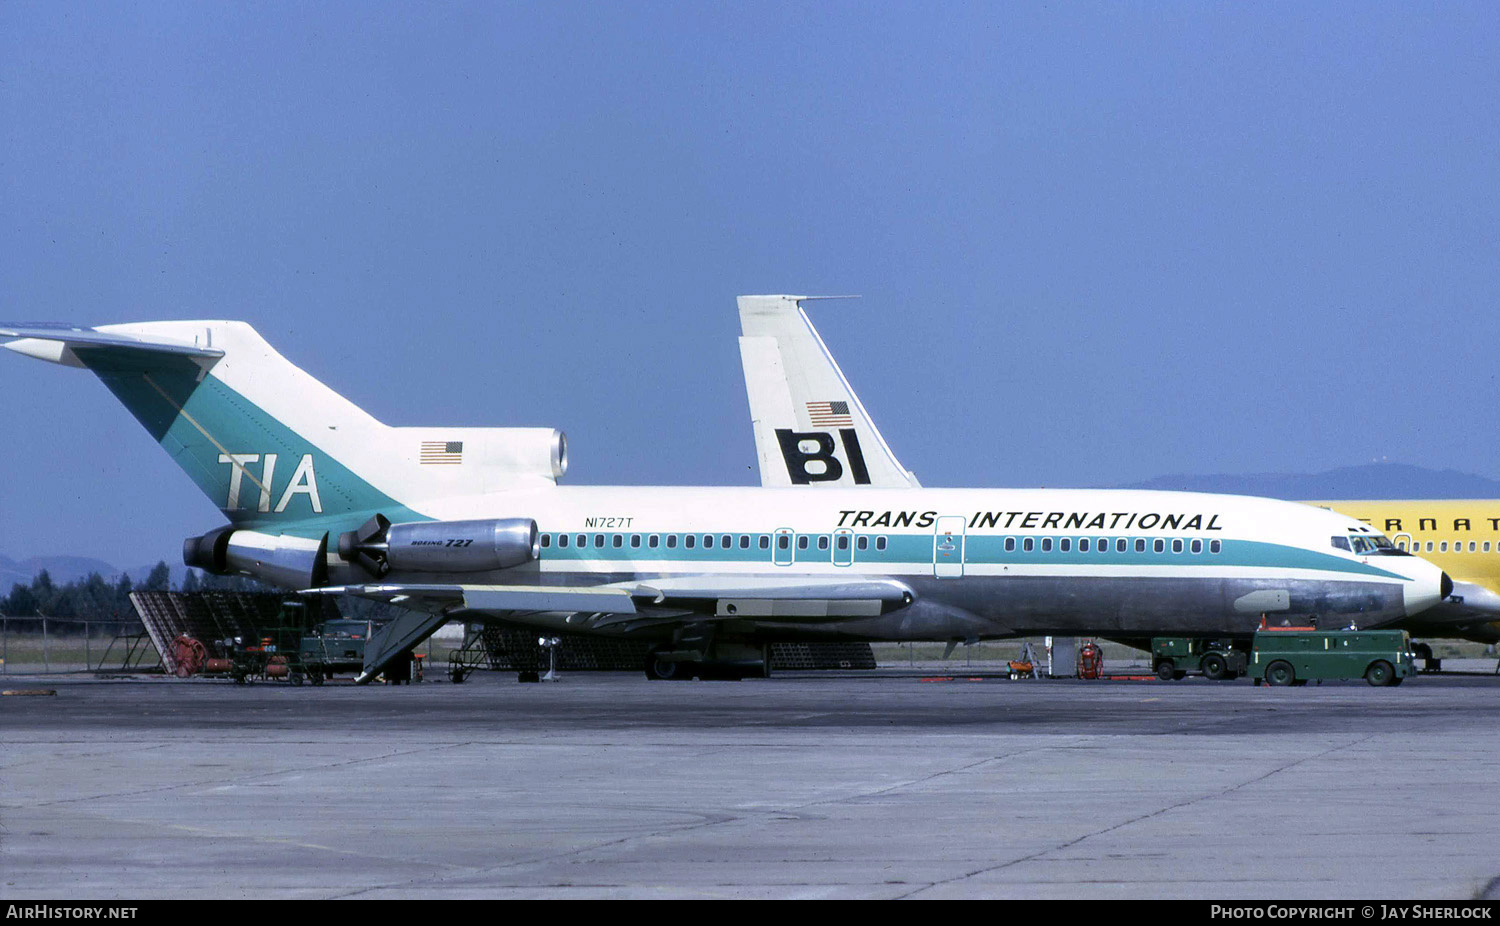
x: 1165, y: 670
x: 1214, y: 667
x: 1280, y: 673
x: 662, y: 670
x: 1380, y: 674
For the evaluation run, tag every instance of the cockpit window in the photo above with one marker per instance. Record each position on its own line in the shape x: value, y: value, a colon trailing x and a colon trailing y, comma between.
x: 1339, y: 543
x: 1374, y: 545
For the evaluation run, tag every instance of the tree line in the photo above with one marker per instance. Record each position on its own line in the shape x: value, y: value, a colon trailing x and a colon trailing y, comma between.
x: 96, y: 598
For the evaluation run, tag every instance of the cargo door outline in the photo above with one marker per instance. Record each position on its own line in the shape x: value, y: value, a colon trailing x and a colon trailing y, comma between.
x: 948, y: 547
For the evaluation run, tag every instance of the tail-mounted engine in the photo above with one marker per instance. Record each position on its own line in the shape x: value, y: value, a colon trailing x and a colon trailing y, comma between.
x: 484, y: 545
x: 290, y: 562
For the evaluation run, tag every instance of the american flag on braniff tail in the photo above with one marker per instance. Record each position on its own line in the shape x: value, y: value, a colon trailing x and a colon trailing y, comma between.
x: 830, y: 414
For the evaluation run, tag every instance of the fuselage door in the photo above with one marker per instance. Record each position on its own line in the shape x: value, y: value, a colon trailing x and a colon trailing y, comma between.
x: 948, y: 547
x: 843, y: 547
x: 781, y: 547
x: 1403, y: 541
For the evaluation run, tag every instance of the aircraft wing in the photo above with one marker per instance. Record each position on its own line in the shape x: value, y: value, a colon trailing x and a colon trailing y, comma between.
x: 676, y: 598
x: 623, y: 607
x: 810, y: 428
x: 491, y: 598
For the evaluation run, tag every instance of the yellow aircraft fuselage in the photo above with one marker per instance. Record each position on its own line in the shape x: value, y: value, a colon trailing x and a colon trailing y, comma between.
x: 1462, y: 536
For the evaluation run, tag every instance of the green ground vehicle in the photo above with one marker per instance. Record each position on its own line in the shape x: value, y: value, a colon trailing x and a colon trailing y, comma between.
x: 1175, y: 657
x: 335, y: 646
x: 1293, y: 655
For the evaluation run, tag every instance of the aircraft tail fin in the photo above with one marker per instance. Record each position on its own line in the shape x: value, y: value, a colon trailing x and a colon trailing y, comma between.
x: 274, y: 448
x: 810, y: 427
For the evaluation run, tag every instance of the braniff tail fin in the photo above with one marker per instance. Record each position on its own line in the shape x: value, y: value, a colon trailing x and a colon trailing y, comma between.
x: 810, y: 427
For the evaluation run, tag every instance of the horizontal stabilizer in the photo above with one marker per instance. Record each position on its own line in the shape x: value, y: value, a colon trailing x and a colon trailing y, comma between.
x: 59, y: 343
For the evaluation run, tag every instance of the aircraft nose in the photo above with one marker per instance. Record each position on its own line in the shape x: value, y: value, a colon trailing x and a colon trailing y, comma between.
x: 1429, y: 586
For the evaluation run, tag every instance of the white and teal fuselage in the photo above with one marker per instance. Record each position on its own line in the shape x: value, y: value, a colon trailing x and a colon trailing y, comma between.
x: 289, y: 461
x: 980, y: 562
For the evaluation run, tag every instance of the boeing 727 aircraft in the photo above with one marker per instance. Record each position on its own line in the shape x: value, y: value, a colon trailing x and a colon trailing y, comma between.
x: 469, y: 523
x: 790, y: 373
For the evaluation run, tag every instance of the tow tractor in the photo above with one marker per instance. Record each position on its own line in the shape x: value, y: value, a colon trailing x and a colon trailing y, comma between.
x: 1175, y: 657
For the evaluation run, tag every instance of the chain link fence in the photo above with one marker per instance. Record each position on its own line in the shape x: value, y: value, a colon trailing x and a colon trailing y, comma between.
x: 38, y: 645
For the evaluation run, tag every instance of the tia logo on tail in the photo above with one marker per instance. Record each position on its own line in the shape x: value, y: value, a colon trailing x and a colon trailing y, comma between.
x: 823, y: 452
x: 304, y: 481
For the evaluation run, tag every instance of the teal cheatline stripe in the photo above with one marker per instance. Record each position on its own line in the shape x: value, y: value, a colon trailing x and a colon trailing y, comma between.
x: 198, y: 418
x: 909, y: 552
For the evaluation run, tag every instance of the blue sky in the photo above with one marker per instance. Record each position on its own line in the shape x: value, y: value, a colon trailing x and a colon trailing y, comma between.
x: 1096, y: 242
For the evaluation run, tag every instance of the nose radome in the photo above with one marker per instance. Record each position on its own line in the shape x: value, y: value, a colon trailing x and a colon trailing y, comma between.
x: 1428, y: 586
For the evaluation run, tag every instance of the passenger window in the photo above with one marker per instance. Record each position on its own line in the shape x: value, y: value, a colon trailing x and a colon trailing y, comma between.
x: 546, y: 540
x: 599, y: 541
x: 1471, y: 546
x: 802, y: 542
x: 1159, y: 545
x: 1197, y: 546
x: 1140, y: 546
x: 726, y: 541
x: 1027, y: 545
x: 1429, y: 546
x: 583, y: 540
x: 1083, y: 544
x: 1010, y: 544
x: 1215, y: 546
x: 619, y: 541
x: 635, y: 541
x: 562, y: 540
x: 843, y: 541
x: 1486, y: 546
x: 783, y: 542
x: 765, y: 542
x: 1046, y: 544
x: 1120, y: 545
x: 671, y: 541
x: 1065, y: 544
x: 880, y: 543
x: 1443, y: 547
x: 744, y: 541
x: 708, y: 541
x: 1177, y: 546
x: 823, y: 542
x: 863, y: 543
x: 689, y: 541
x: 652, y: 541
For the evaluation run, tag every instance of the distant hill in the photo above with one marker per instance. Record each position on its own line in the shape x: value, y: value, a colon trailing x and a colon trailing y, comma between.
x: 65, y: 569
x: 1371, y: 481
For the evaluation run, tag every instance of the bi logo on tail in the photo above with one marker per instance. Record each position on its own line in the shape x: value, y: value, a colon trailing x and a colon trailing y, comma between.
x: 812, y: 456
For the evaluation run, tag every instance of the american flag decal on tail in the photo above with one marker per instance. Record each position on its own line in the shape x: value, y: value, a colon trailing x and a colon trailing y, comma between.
x: 830, y: 414
x: 439, y: 451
